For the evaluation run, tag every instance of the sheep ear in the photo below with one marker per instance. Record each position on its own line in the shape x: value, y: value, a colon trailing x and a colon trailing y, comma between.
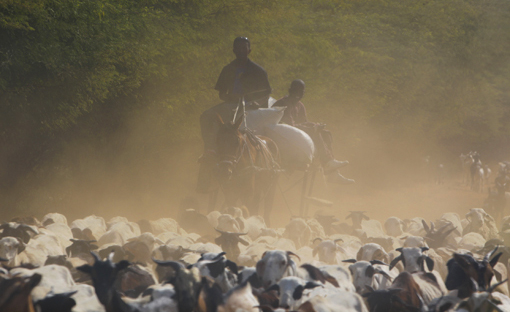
x: 430, y: 263
x: 377, y: 262
x: 425, y: 226
x: 494, y: 260
x: 311, y: 285
x: 349, y: 261
x: 383, y: 273
x: 298, y: 292
x: 122, y: 265
x: 394, y: 262
x: 85, y: 269
x: 232, y: 266
x: 369, y: 271
x: 275, y: 287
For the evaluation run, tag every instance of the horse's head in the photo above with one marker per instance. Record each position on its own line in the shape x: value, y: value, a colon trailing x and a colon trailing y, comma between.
x: 229, y: 146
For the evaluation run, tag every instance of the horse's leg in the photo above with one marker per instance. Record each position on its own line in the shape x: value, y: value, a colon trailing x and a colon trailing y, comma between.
x: 310, y: 189
x: 232, y: 193
x: 213, y: 196
x: 269, y: 198
x: 303, y: 194
x: 255, y: 194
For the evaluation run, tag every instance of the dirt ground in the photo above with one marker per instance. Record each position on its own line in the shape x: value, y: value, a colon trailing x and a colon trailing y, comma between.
x: 407, y: 200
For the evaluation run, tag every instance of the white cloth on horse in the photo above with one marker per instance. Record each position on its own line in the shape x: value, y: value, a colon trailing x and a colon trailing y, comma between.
x: 257, y: 119
x: 295, y: 146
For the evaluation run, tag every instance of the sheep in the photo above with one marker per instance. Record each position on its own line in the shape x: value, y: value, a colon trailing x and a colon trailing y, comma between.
x: 298, y: 231
x: 329, y: 251
x: 482, y: 223
x: 394, y: 226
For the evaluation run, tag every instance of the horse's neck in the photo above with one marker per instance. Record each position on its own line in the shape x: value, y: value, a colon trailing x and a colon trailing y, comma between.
x: 249, y: 152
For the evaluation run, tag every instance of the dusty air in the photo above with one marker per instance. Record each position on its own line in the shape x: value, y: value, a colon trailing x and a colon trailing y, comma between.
x: 200, y: 156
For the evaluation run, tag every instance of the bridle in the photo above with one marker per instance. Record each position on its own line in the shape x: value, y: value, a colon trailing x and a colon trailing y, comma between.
x: 231, y: 161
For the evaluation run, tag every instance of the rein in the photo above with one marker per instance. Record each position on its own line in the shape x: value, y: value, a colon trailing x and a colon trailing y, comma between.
x: 270, y: 162
x: 236, y: 158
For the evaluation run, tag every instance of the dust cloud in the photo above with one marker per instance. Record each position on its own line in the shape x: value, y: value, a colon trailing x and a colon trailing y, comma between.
x: 141, y: 174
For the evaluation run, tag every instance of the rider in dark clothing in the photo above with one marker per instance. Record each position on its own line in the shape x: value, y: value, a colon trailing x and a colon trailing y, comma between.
x: 244, y: 77
x: 295, y: 115
x: 240, y: 78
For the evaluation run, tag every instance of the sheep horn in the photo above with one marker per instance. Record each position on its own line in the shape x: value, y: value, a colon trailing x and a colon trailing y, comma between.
x: 350, y: 261
x: 96, y: 257
x: 221, y: 254
x: 176, y: 266
x: 489, y: 254
x: 491, y: 289
x: 377, y: 262
x: 221, y: 232
x: 290, y: 253
x: 394, y: 262
x: 317, y: 238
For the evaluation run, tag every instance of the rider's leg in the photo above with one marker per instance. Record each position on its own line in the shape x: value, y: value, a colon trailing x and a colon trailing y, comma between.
x: 210, y: 121
x: 328, y: 159
x: 322, y: 140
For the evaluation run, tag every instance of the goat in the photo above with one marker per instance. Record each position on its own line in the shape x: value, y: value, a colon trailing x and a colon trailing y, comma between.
x: 357, y: 217
x: 103, y: 275
x: 15, y: 293
x: 186, y: 283
x: 329, y: 251
x: 229, y: 242
x: 213, y: 265
x: 413, y: 259
x: 274, y: 265
x: 481, y: 222
x: 477, y: 174
x: 436, y: 237
x: 290, y: 290
x: 22, y: 231
x: 485, y: 300
x: 369, y: 274
x: 462, y: 268
x: 402, y: 296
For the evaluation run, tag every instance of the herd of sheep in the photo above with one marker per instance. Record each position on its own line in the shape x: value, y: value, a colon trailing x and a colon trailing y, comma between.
x: 226, y: 261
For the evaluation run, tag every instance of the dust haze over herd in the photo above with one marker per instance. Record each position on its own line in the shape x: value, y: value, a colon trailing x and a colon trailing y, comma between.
x: 101, y: 107
x: 100, y: 113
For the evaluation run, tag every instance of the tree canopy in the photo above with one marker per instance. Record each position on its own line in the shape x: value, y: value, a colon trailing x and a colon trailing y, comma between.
x: 74, y: 71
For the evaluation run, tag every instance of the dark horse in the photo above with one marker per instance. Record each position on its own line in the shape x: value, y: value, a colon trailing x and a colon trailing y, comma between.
x: 247, y: 168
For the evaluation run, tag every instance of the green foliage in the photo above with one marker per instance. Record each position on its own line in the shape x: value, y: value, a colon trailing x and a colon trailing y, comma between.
x: 407, y: 68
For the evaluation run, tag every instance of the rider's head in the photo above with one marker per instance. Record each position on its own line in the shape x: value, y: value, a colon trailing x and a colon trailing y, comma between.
x: 241, y: 48
x: 297, y: 89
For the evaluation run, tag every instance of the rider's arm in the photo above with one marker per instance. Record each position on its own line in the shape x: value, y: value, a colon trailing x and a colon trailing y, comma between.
x: 301, y: 115
x: 224, y: 83
x: 223, y: 95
